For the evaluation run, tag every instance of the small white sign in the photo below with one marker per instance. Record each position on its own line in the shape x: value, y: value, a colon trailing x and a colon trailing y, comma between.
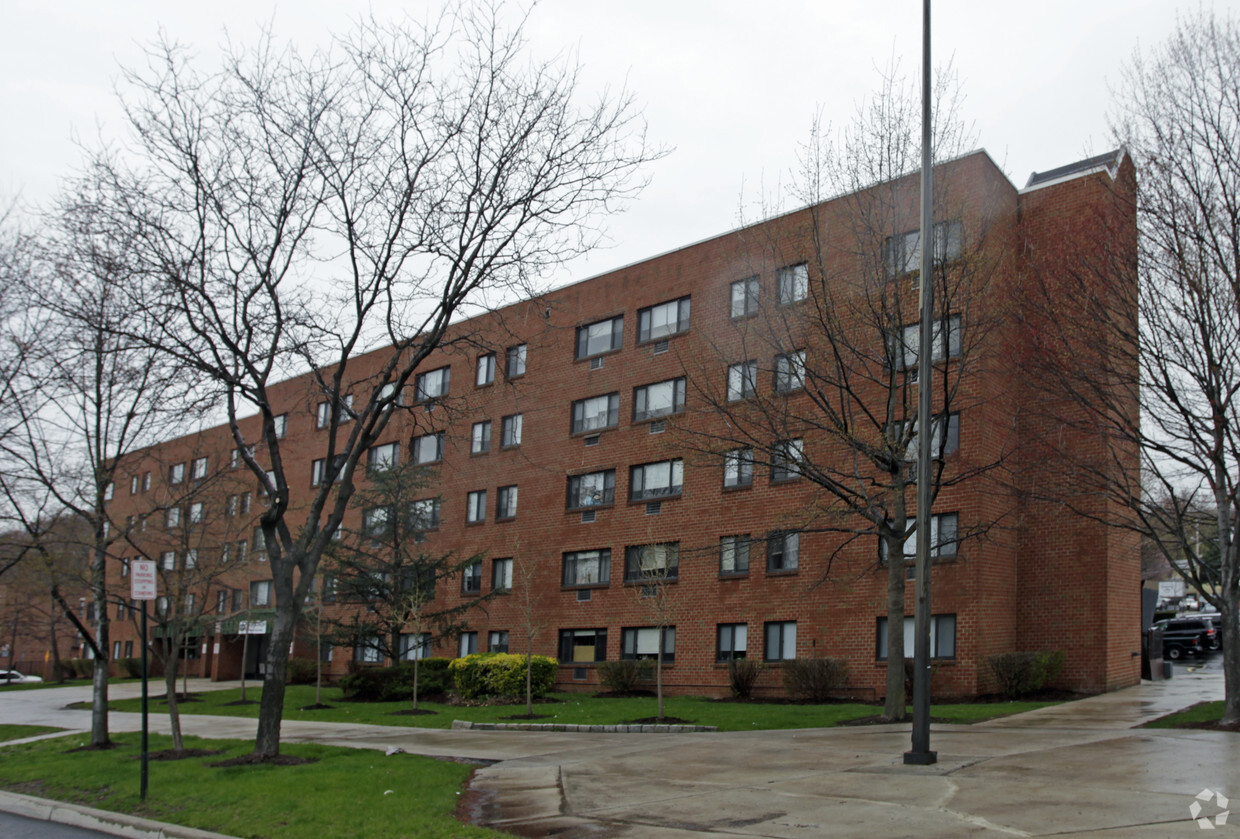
x: 142, y: 578
x: 252, y: 628
x: 216, y: 648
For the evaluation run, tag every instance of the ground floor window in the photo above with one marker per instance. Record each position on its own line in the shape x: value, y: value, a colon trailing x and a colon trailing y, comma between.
x: 414, y: 645
x: 469, y: 643
x: 497, y: 641
x: 642, y: 642
x: 367, y: 650
x: 583, y: 645
x: 733, y: 641
x: 942, y: 637
x: 781, y: 640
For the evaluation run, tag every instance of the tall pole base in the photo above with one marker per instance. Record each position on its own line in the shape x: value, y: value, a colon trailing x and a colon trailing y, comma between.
x: 920, y: 758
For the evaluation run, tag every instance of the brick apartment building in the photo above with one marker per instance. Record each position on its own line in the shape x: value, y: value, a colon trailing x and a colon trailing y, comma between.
x: 584, y: 435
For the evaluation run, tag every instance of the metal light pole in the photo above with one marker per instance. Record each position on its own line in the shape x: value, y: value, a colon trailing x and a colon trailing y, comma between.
x: 920, y: 753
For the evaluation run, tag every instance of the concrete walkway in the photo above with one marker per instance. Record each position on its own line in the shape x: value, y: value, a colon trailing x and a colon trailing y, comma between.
x: 1078, y: 769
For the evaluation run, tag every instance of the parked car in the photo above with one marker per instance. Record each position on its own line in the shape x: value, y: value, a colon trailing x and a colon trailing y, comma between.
x: 1186, y: 636
x: 12, y: 677
x: 1217, y: 619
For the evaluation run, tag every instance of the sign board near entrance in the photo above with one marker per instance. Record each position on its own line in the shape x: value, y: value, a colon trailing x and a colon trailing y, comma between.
x: 142, y: 579
x: 252, y: 628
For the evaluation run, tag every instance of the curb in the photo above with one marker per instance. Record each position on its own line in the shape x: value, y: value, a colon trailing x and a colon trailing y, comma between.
x: 465, y: 725
x: 104, y: 821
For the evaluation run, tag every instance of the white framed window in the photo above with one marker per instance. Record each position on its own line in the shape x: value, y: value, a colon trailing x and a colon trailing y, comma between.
x: 191, y: 559
x: 596, y: 413
x: 904, y: 345
x: 109, y: 490
x: 432, y: 384
x: 377, y: 522
x: 146, y: 481
x: 260, y: 593
x: 944, y: 533
x: 591, y: 489
x: 657, y: 561
x: 942, y: 637
x: 323, y: 415
x: 168, y: 560
x: 600, y: 337
x: 501, y: 574
x: 783, y: 551
x: 744, y: 298
x: 733, y: 641
x: 734, y: 555
x: 468, y: 644
x: 792, y: 283
x: 198, y: 468
x: 424, y: 514
x: 471, y: 578
x: 642, y: 643
x: 656, y: 480
x: 506, y: 503
x: 485, y: 371
x: 587, y: 568
x: 781, y: 640
x: 133, y: 485
x: 476, y: 506
x: 480, y: 438
x: 368, y: 650
x: 172, y: 517
x: 386, y: 394
x: 582, y: 646
x: 663, y: 320
x: 319, y: 471
x: 938, y: 444
x: 510, y: 429
x: 384, y: 457
x: 415, y: 645
x: 197, y: 512
x: 790, y: 371
x: 742, y: 380
x: 659, y: 399
x: 280, y: 424
x: 428, y: 448
x: 497, y: 641
x: 738, y: 468
x: 902, y: 253
x: 514, y: 361
x: 176, y: 474
x: 787, y: 458
x: 323, y: 412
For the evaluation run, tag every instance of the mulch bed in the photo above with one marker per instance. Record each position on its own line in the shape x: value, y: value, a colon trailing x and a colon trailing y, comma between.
x: 316, y: 707
x: 240, y: 702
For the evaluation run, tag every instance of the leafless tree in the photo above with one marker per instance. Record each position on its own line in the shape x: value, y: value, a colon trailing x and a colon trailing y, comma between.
x: 529, y: 601
x: 655, y: 573
x: 296, y: 209
x: 821, y: 380
x: 1151, y: 364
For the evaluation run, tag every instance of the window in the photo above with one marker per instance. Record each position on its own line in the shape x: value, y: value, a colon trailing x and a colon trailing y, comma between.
x: 659, y: 399
x: 506, y: 503
x: 665, y: 319
x: 415, y: 645
x: 389, y: 394
x: 432, y: 384
x: 476, y: 506
x: 168, y: 560
x: 323, y: 415
x: 787, y: 456
x: 497, y: 640
x: 260, y: 544
x: 260, y: 593
x: 124, y: 567
x: 789, y: 371
x: 176, y: 474
x: 592, y: 489
x: 428, y: 448
x: 196, y: 512
x: 485, y: 371
x: 742, y: 380
x: 902, y: 253
x: 377, y: 523
x: 382, y: 458
x: 904, y: 346
x: 656, y: 480
x: 471, y: 578
x: 133, y: 485
x: 172, y: 517
x: 468, y: 644
x: 238, y: 600
x: 938, y: 445
x: 734, y: 555
x: 318, y: 470
x: 191, y: 558
x: 652, y: 562
x: 587, y: 568
x: 323, y: 412
x: 583, y: 645
x: 221, y: 601
x: 514, y: 361
x: 942, y: 637
x: 424, y: 514
x: 642, y: 643
x: 783, y: 551
x: 280, y: 424
x: 744, y: 298
x: 146, y: 481
x: 781, y: 640
x: 600, y: 337
x: 198, y: 468
x: 510, y: 430
x: 501, y: 574
x: 242, y: 546
x: 792, y: 283
x: 596, y: 413
x: 480, y: 439
x: 367, y: 650
x: 943, y: 535
x: 738, y: 468
x: 733, y: 641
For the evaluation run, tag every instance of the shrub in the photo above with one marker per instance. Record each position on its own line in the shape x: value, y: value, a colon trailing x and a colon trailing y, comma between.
x: 389, y: 684
x: 301, y: 671
x: 1019, y: 674
x: 622, y: 676
x: 813, y: 679
x: 78, y: 668
x: 132, y: 667
x: 501, y: 674
x: 743, y: 675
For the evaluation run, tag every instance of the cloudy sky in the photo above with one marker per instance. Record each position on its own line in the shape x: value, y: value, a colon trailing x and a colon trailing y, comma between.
x: 729, y: 86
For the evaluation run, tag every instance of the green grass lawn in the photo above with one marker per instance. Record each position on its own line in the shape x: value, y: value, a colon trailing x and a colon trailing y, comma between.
x: 345, y: 794
x: 1201, y: 712
x: 573, y: 708
x: 17, y: 732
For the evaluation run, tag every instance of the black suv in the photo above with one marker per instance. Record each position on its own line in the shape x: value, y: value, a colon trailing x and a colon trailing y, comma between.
x: 1186, y: 635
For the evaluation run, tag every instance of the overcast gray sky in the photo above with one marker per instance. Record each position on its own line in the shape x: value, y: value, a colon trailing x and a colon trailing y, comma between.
x: 729, y: 85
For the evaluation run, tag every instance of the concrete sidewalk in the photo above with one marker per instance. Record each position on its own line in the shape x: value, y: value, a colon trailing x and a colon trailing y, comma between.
x: 1077, y: 769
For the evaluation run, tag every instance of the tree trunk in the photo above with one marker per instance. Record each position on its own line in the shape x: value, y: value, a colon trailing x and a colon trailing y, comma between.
x: 1231, y: 660
x: 99, y: 694
x: 171, y: 660
x: 894, y: 703
x: 271, y: 706
x: 658, y: 674
x: 58, y: 670
x: 415, y: 678
x: 529, y: 681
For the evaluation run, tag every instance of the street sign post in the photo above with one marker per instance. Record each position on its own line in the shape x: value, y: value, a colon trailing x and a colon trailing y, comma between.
x: 142, y: 587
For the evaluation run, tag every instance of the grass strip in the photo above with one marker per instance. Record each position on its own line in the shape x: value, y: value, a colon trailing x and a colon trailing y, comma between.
x: 573, y: 708
x: 9, y: 731
x: 343, y: 794
x: 1202, y: 712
